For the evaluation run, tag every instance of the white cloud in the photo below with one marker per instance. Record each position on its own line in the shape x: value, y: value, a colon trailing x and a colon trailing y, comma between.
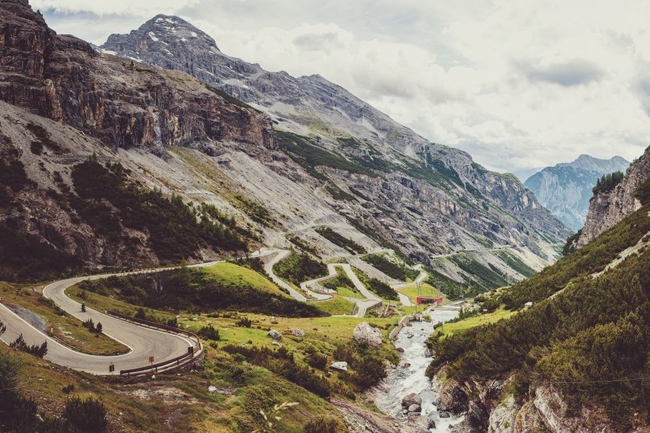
x: 516, y: 83
x: 114, y: 7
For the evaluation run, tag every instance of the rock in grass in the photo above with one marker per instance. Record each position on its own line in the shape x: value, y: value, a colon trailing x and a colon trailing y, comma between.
x: 366, y: 335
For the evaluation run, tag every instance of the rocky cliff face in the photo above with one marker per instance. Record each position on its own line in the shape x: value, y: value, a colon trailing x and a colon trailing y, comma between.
x: 608, y: 208
x: 123, y: 104
x: 485, y: 407
x: 99, y: 105
x: 565, y: 189
x: 298, y: 104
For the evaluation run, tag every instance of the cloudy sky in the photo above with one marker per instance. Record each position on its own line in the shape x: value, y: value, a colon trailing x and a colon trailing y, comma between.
x: 517, y: 83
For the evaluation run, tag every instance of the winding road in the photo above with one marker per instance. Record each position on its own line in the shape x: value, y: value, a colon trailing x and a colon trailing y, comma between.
x: 143, y: 342
x: 147, y: 343
x: 363, y: 305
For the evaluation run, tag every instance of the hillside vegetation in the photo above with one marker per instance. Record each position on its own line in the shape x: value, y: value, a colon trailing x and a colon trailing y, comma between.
x: 175, y: 230
x: 202, y: 290
x: 591, y: 339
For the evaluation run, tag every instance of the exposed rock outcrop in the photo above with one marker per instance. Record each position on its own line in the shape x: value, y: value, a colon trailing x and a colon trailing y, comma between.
x: 122, y: 103
x: 378, y: 183
x: 565, y: 189
x: 608, y: 208
x: 367, y: 335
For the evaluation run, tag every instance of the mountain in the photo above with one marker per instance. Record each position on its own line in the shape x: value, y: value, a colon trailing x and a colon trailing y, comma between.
x: 573, y: 355
x: 370, y: 179
x: 70, y: 193
x: 565, y: 189
x: 614, y: 201
x: 387, y: 182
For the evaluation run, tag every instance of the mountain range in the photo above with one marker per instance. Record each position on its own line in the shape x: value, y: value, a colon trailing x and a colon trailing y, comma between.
x: 112, y: 158
x: 565, y: 189
x: 282, y: 158
x: 436, y: 200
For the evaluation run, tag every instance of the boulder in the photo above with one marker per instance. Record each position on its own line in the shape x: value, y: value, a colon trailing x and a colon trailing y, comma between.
x: 274, y: 334
x: 339, y: 366
x: 415, y: 408
x: 295, y: 332
x: 411, y: 399
x: 366, y: 335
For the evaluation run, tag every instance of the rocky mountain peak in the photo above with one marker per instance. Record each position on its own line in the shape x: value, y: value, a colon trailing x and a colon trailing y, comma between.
x: 159, y: 32
x: 124, y: 105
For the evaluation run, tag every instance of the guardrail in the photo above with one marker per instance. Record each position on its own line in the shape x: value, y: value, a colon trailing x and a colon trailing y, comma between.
x: 170, y: 363
x: 402, y: 323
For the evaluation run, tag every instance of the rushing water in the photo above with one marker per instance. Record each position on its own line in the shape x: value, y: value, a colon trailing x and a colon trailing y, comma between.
x: 410, y: 376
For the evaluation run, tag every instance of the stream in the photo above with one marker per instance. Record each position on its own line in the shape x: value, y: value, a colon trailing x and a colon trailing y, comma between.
x: 409, y: 377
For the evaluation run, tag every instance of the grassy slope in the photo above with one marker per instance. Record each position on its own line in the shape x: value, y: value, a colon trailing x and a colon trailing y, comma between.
x: 425, y: 290
x: 174, y: 402
x: 449, y: 329
x: 232, y: 273
x: 592, y: 338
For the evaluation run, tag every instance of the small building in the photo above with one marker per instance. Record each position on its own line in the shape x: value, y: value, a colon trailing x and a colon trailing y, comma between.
x: 429, y: 300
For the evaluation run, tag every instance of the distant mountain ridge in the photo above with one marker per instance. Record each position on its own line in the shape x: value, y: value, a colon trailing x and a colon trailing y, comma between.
x: 566, y: 188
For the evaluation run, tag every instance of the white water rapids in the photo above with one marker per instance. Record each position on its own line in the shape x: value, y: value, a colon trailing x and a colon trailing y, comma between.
x: 410, y: 376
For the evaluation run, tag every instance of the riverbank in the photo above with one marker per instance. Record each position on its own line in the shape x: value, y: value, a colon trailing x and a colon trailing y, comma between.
x: 409, y: 377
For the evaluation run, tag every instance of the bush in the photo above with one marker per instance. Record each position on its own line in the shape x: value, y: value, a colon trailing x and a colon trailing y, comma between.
x: 316, y: 360
x: 198, y: 290
x: 324, y: 424
x: 86, y: 415
x: 210, y: 333
x: 176, y: 231
x: 299, y: 267
x: 389, y: 267
x: 35, y: 349
x: 343, y: 242
x: 244, y: 322
x: 17, y: 413
x: 382, y: 289
x: 608, y: 182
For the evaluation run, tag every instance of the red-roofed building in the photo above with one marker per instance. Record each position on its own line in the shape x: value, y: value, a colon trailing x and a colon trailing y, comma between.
x: 429, y: 300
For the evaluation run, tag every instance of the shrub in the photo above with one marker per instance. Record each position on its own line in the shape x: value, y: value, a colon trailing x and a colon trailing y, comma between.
x: 35, y: 349
x: 389, y: 267
x: 316, y: 360
x: 86, y: 415
x: 244, y: 322
x: 382, y: 289
x: 324, y: 424
x: 36, y: 147
x: 343, y: 242
x: 210, y: 333
x: 608, y: 182
x: 17, y: 413
x: 299, y: 267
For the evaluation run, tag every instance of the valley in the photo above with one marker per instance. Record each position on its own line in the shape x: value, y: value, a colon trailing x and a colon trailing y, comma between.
x: 189, y: 242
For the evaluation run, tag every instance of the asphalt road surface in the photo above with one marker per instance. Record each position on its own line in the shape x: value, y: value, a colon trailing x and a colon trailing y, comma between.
x: 143, y: 342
